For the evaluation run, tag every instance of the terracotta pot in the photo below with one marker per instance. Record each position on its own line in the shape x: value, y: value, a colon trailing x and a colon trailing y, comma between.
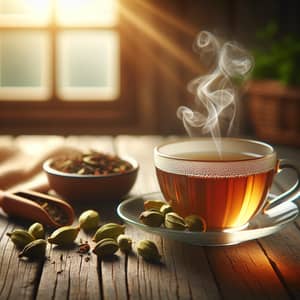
x: 275, y: 111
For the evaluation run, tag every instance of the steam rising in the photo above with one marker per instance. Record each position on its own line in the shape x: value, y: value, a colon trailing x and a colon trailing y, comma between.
x: 215, y: 93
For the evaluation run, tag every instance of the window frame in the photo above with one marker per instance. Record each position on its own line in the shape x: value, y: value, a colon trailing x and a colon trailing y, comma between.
x: 65, y: 117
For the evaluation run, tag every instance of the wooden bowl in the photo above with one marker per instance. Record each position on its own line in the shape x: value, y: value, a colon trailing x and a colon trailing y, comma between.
x: 86, y: 188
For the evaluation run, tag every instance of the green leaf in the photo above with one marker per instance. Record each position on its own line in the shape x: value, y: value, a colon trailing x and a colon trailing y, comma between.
x: 277, y: 57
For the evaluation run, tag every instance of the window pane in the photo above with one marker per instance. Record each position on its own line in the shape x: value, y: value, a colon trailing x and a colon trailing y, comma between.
x: 24, y: 70
x: 24, y: 12
x: 87, y: 12
x: 88, y: 65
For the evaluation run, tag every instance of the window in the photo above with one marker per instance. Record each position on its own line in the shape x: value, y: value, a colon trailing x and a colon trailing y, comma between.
x: 60, y: 63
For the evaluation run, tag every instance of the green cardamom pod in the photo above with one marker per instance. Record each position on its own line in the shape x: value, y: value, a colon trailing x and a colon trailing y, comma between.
x: 35, y: 249
x: 174, y: 221
x: 151, y: 218
x: 153, y: 204
x: 89, y: 159
x: 64, y: 236
x: 109, y: 230
x: 166, y: 208
x: 89, y: 220
x: 195, y: 223
x: 37, y: 230
x: 106, y: 247
x: 125, y: 243
x: 20, y: 237
x: 148, y: 251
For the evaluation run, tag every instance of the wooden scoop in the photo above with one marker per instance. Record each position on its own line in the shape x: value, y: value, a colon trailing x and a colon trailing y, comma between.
x: 37, y: 207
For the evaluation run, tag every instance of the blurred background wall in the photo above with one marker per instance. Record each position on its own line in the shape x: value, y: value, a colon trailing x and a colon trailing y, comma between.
x: 155, y: 60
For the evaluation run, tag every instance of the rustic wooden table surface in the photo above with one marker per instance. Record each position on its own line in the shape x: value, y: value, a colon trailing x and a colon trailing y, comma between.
x: 268, y: 268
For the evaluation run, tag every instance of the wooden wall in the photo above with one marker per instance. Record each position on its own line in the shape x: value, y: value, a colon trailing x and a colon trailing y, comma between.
x: 157, y: 36
x: 166, y: 62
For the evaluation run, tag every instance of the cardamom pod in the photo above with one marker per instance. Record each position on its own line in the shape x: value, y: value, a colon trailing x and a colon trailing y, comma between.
x: 109, y: 230
x: 64, y: 236
x: 151, y: 218
x: 148, y: 251
x: 125, y: 243
x: 20, y: 237
x: 37, y: 230
x: 35, y: 249
x: 89, y: 159
x: 174, y: 221
x: 89, y: 220
x: 195, y: 223
x: 166, y: 208
x: 153, y: 204
x: 106, y: 247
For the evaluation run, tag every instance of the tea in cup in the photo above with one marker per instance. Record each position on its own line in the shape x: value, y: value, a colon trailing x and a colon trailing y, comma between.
x: 226, y: 188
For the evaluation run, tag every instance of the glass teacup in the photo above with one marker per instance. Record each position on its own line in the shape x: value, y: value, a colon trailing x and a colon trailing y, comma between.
x: 228, y: 188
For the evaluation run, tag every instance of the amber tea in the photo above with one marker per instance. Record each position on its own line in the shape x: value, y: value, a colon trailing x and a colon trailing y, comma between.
x: 226, y: 189
x: 224, y: 202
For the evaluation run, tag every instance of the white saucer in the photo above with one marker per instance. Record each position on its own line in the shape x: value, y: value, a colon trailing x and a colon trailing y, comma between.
x: 262, y: 225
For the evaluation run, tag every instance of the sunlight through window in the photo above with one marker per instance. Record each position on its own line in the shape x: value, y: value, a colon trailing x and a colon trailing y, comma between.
x: 60, y: 49
x: 86, y: 12
x: 88, y: 65
x: 25, y: 12
x: 24, y: 65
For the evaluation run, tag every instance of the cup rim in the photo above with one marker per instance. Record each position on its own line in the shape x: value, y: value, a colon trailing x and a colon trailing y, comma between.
x: 252, y: 141
x: 170, y: 162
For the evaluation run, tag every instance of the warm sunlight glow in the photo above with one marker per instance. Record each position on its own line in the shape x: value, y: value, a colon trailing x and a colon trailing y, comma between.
x: 24, y: 65
x: 160, y: 38
x: 169, y: 18
x: 86, y: 12
x: 25, y: 12
x: 88, y: 65
x: 86, y: 58
x: 38, y: 6
x: 67, y: 12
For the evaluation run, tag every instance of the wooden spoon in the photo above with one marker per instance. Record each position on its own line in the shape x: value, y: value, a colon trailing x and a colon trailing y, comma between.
x: 37, y: 207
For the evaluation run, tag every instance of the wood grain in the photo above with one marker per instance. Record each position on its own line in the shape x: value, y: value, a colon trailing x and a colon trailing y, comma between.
x: 141, y: 278
x: 188, y: 272
x: 263, y: 269
x: 19, y: 278
x: 282, y: 249
x: 69, y: 275
x: 243, y: 272
x: 184, y: 272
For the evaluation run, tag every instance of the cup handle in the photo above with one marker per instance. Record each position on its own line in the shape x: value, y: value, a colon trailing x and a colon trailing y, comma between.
x: 292, y: 193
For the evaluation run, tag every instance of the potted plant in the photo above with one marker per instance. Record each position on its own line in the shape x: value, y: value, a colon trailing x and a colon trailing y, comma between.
x: 274, y: 92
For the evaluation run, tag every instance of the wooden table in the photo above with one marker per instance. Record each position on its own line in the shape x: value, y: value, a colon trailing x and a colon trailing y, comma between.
x: 268, y: 268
